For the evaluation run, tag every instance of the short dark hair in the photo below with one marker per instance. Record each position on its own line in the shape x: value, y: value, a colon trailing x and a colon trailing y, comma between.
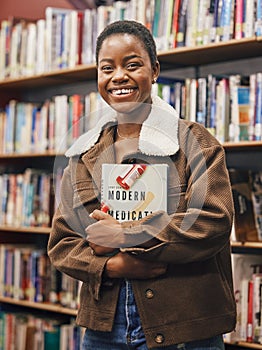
x: 133, y: 28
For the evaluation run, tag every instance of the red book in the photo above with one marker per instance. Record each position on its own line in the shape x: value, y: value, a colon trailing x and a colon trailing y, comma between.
x: 239, y: 19
x: 175, y: 21
x: 80, y: 18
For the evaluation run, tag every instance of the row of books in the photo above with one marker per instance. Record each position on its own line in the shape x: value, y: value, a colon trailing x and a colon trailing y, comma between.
x: 66, y: 38
x: 28, y: 332
x: 247, y: 196
x: 29, y: 198
x: 27, y: 127
x: 230, y: 107
x: 27, y: 274
x: 247, y: 276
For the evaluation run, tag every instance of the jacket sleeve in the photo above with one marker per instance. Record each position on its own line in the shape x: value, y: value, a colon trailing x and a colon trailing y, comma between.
x: 67, y: 247
x: 201, y: 225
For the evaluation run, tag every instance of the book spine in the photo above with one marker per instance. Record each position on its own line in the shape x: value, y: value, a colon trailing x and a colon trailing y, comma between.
x: 258, y: 114
x: 239, y: 19
x: 258, y: 21
x: 250, y: 312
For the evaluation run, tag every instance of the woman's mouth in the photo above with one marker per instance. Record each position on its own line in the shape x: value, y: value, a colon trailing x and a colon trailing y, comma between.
x: 119, y: 92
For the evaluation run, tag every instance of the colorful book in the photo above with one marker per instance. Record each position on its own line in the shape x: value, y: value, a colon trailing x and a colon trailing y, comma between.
x: 133, y: 191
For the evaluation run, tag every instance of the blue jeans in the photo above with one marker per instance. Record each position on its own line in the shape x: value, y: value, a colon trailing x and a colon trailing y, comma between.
x: 127, y: 331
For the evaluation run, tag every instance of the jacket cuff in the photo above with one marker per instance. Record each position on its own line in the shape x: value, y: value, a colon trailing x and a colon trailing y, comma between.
x: 95, y: 271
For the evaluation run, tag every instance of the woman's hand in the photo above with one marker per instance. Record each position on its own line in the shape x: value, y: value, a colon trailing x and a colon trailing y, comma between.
x: 124, y: 265
x: 105, y: 235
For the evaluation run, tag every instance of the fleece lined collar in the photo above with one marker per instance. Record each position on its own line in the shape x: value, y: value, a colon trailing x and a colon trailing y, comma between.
x: 158, y: 135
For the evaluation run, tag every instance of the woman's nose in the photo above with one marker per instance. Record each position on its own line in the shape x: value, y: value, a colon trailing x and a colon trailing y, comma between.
x: 119, y: 75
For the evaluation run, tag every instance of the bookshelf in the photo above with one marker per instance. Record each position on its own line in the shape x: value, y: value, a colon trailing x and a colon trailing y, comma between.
x: 244, y: 154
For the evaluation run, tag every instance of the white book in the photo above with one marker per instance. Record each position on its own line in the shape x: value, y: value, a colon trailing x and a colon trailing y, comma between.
x: 31, y: 49
x: 133, y: 191
x: 73, y: 39
x: 243, y: 309
x: 87, y: 44
x: 61, y: 117
x: 248, y: 25
x: 50, y: 17
x: 14, y: 42
x: 2, y: 53
x: 40, y: 46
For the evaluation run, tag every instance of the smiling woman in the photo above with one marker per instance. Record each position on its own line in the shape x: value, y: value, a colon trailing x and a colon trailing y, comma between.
x: 161, y: 280
x: 125, y: 75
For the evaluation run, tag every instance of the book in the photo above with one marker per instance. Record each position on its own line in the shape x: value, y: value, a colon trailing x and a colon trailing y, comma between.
x: 51, y: 14
x: 258, y: 108
x: 133, y: 191
x: 181, y: 28
x: 243, y: 111
x: 257, y: 200
x: 175, y: 22
x: 245, y: 226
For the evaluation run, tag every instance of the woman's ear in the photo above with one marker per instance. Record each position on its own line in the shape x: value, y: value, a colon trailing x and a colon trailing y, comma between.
x: 156, y: 71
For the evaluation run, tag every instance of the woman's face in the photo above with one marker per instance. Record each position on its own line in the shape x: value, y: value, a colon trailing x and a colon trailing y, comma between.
x: 125, y: 73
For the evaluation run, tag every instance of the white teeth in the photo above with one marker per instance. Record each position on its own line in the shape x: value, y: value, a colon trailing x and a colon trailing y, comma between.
x: 121, y: 91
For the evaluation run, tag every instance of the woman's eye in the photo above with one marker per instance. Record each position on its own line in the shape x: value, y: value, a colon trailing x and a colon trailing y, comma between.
x: 107, y: 69
x: 132, y: 65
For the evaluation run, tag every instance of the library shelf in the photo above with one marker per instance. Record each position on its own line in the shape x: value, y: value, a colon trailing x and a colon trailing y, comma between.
x: 39, y: 306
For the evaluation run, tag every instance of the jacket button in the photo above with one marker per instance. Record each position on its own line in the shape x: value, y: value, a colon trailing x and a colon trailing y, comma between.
x: 149, y: 294
x: 159, y: 338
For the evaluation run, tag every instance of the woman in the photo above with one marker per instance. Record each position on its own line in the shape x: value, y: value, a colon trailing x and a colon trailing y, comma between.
x: 162, y: 282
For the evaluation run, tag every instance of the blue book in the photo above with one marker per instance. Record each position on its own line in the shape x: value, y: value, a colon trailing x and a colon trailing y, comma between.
x: 243, y: 94
x: 10, y: 126
x: 258, y: 22
x: 225, y: 20
x: 258, y: 106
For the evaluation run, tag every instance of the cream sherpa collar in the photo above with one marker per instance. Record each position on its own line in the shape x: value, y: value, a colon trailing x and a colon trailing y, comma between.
x: 158, y: 135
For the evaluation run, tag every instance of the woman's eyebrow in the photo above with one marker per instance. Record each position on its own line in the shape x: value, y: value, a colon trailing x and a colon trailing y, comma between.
x: 126, y: 58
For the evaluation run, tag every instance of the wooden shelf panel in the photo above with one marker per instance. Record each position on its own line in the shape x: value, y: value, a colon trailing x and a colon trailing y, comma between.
x: 25, y: 229
x: 57, y: 77
x: 248, y: 245
x: 213, y: 53
x: 47, y: 154
x: 40, y: 306
x: 242, y: 146
x: 245, y: 345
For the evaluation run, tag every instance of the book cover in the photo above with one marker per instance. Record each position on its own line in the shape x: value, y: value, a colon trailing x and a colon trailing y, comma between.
x: 133, y: 191
x: 51, y: 14
x: 181, y: 29
x: 243, y: 93
x: 245, y: 226
x: 175, y: 22
x: 257, y: 201
x: 258, y: 108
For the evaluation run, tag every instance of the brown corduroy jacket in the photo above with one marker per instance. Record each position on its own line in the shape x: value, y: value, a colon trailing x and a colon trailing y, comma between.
x: 194, y: 299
